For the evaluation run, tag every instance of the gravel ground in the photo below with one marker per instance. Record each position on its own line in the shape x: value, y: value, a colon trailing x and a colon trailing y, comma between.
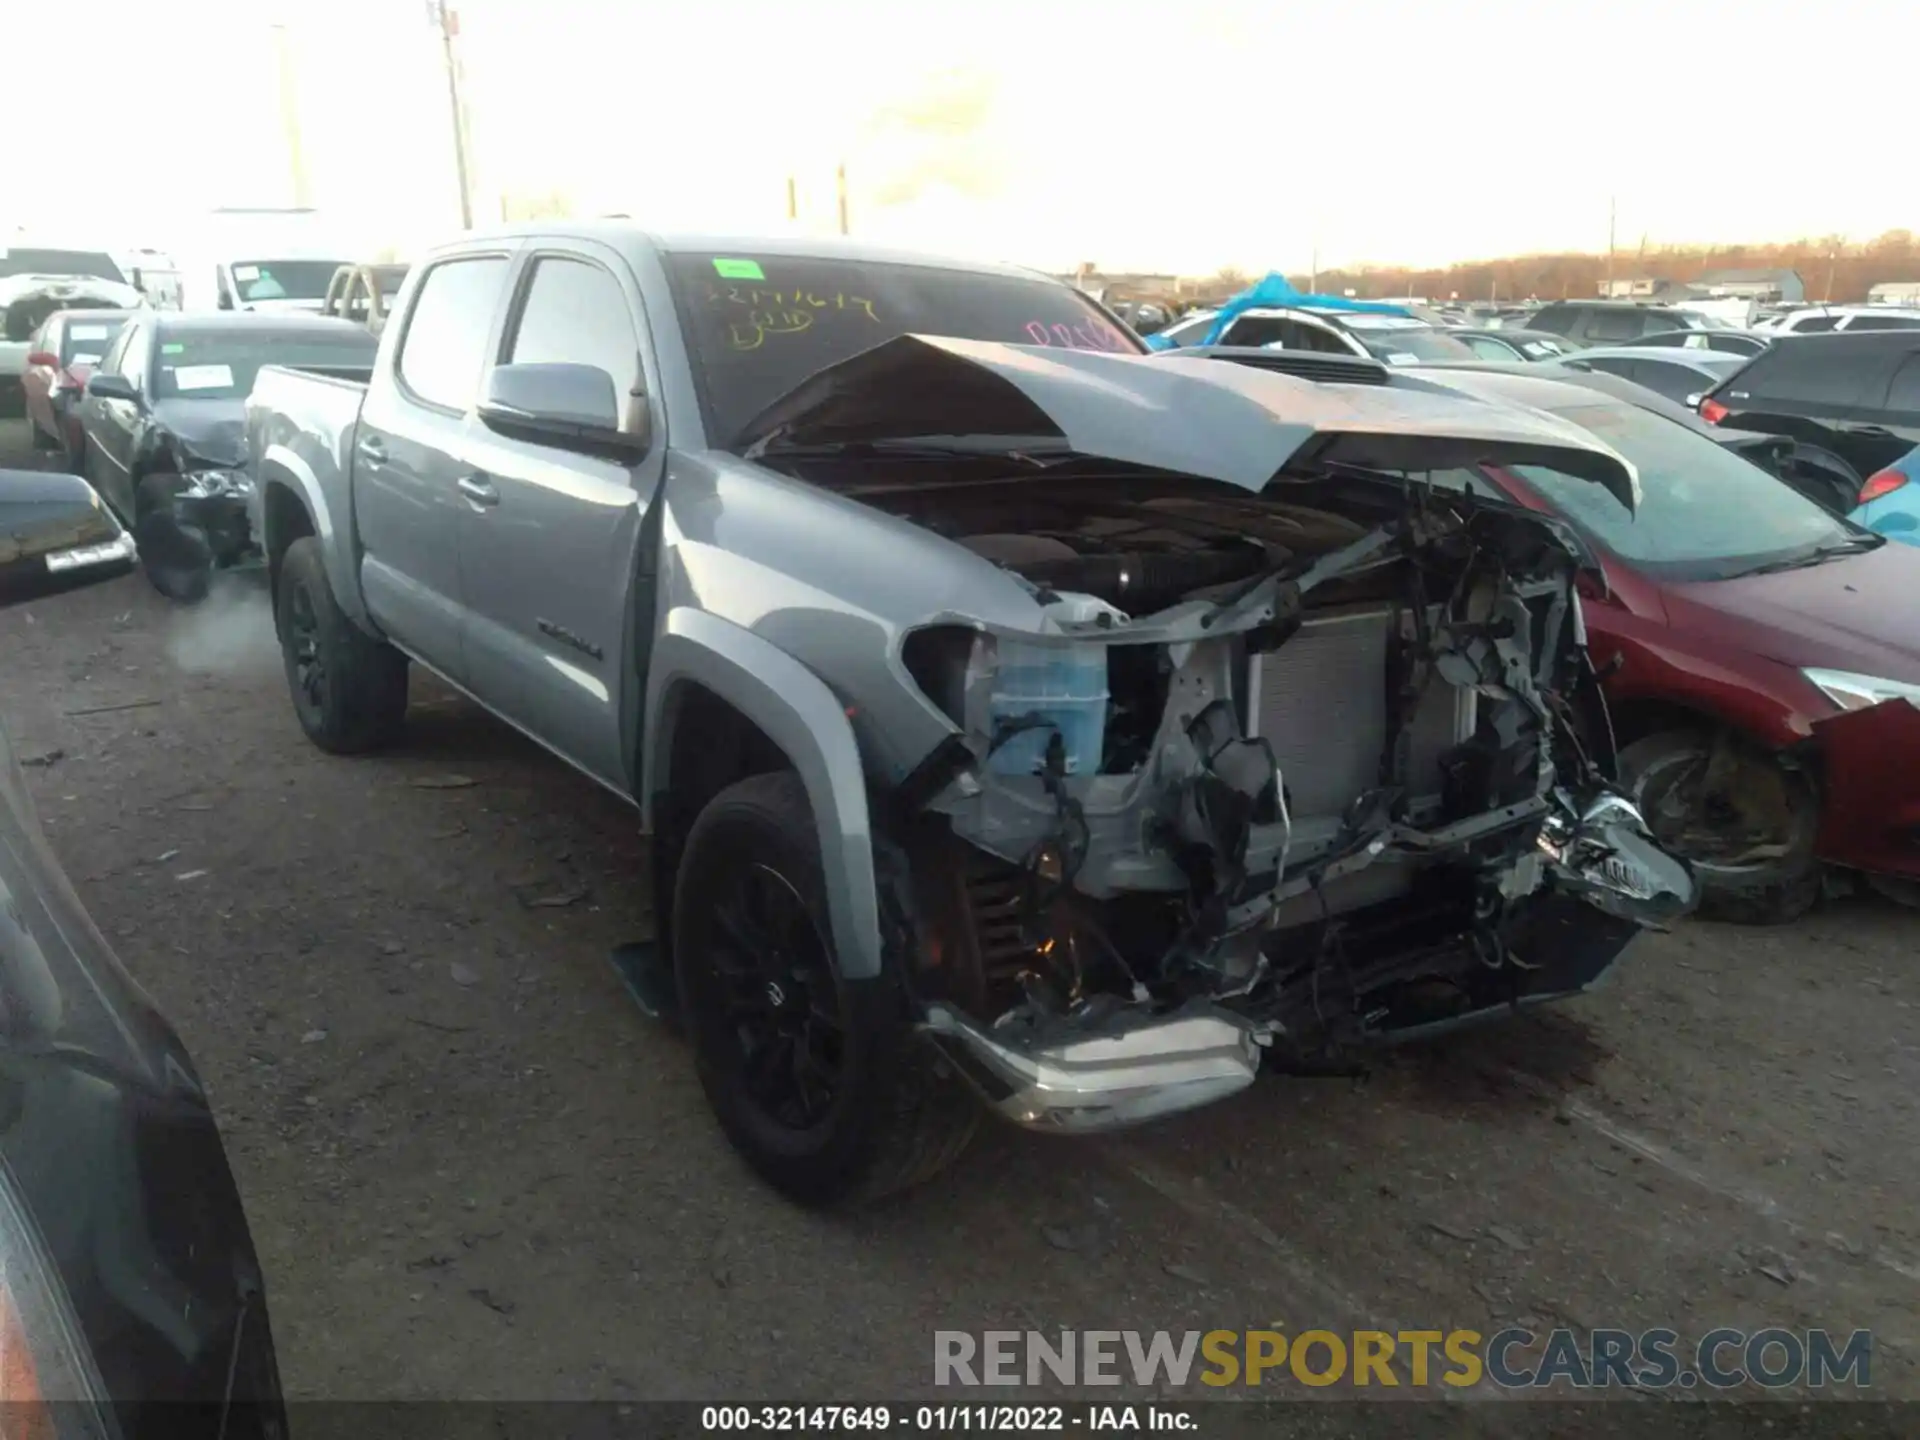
x: 473, y: 1169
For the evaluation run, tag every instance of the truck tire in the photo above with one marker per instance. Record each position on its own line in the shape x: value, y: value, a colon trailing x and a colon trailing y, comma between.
x: 174, y: 556
x: 818, y: 1081
x: 349, y: 690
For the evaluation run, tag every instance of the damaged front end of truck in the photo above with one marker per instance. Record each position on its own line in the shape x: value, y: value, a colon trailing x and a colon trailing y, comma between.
x: 1296, y: 749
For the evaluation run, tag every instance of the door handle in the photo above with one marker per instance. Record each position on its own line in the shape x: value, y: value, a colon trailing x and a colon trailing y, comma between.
x: 374, y: 449
x: 477, y: 490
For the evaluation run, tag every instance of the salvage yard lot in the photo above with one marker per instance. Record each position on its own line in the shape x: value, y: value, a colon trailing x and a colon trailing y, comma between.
x: 474, y: 1169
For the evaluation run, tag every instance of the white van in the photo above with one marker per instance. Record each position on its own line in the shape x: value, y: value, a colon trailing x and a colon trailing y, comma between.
x: 260, y: 281
x: 261, y: 259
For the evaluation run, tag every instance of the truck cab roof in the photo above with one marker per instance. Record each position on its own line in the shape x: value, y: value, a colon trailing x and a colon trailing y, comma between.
x: 626, y: 232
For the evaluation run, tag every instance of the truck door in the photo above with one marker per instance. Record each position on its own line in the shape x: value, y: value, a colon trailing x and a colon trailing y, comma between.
x: 407, y: 458
x: 550, y: 535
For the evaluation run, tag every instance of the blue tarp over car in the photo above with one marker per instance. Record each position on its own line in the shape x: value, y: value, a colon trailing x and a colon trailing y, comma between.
x: 1274, y: 291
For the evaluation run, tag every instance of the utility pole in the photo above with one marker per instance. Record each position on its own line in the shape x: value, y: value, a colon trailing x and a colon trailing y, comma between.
x: 840, y: 183
x: 290, y: 116
x: 1313, y: 275
x: 447, y: 21
x: 1612, y: 211
x: 793, y: 199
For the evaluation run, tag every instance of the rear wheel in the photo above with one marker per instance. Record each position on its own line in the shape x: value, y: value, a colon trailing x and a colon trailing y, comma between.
x: 817, y: 1080
x: 174, y: 554
x: 1744, y: 820
x: 349, y: 690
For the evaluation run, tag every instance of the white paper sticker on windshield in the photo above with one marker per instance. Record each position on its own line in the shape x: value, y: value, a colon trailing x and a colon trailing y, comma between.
x: 203, y: 377
x: 84, y: 360
x: 88, y: 332
x: 1536, y: 347
x: 1401, y: 357
x: 246, y: 272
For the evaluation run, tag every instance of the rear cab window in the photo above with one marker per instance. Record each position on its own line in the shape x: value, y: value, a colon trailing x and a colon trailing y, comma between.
x: 756, y: 325
x: 444, y: 347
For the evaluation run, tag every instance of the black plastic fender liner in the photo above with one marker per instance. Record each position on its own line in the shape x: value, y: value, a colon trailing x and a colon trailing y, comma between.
x: 175, y: 553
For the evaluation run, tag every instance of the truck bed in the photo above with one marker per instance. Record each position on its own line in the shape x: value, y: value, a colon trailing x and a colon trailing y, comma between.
x: 309, y: 415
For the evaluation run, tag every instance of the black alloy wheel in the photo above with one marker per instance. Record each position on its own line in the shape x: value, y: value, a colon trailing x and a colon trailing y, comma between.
x: 778, y: 991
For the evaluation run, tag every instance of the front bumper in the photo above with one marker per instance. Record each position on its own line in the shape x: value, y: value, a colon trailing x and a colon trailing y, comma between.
x: 1870, y: 816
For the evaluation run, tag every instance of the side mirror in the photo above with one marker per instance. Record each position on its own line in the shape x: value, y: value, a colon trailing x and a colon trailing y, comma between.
x: 55, y: 535
x: 43, y: 358
x: 111, y: 387
x: 572, y: 406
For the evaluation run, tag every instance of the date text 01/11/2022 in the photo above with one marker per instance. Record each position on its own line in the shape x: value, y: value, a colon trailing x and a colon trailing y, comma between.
x: 943, y: 1419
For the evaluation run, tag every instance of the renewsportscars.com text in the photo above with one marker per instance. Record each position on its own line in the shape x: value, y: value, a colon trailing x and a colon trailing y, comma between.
x: 1512, y: 1359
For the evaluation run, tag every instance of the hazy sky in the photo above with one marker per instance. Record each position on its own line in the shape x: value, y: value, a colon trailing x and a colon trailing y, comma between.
x: 1183, y: 136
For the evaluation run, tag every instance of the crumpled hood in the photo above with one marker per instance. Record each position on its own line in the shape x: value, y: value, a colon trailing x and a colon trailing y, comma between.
x: 213, y: 431
x: 1853, y: 613
x: 1230, y: 423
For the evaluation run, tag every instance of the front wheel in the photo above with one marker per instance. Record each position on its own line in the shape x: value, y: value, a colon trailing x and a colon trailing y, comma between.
x: 818, y: 1081
x: 1745, y: 821
x: 349, y: 690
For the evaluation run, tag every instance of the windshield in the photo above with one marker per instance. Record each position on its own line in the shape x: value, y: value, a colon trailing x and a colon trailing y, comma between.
x: 1704, y: 513
x: 1408, y: 344
x: 759, y: 325
x: 214, y: 366
x: 60, y: 262
x: 283, y: 279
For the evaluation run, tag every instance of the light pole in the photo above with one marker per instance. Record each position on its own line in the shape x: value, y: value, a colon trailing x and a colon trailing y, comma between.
x: 447, y: 21
x: 290, y: 115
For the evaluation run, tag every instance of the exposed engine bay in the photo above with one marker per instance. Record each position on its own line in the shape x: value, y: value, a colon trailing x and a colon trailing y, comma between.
x: 1279, y: 776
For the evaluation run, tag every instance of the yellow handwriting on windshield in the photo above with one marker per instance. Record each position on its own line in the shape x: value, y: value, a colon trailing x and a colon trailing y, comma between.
x: 771, y: 312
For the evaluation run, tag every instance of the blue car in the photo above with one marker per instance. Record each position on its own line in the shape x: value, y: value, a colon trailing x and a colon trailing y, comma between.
x: 1890, y: 500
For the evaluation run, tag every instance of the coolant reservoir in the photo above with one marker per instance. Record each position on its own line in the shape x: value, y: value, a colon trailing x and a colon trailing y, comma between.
x: 1051, y: 686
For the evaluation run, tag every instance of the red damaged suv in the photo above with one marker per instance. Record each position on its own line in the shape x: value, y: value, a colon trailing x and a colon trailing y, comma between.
x: 1762, y: 656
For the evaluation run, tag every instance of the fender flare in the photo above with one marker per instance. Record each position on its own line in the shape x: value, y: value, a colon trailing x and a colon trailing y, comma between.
x: 280, y: 467
x: 797, y: 711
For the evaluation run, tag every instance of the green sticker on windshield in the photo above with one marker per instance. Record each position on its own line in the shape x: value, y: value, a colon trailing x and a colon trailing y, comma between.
x: 738, y: 270
x: 173, y: 349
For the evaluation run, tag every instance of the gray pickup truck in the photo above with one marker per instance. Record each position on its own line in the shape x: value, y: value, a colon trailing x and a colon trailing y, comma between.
x: 1015, y: 716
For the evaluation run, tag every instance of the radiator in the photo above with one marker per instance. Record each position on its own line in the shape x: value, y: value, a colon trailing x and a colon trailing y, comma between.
x: 1320, y: 701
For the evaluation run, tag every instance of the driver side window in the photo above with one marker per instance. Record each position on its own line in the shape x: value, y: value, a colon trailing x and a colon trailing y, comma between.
x: 110, y: 362
x: 133, y: 359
